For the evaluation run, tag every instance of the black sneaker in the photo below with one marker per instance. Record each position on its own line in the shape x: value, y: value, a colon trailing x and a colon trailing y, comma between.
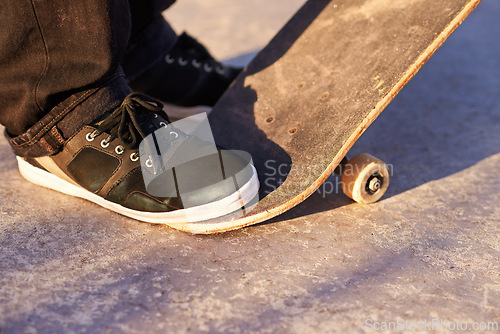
x: 101, y: 163
x: 188, y: 79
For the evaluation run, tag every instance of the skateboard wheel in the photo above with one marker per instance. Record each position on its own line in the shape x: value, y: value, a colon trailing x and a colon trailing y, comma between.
x: 365, y: 178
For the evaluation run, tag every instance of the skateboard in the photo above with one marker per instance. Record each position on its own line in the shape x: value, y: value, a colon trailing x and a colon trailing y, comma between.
x: 306, y: 98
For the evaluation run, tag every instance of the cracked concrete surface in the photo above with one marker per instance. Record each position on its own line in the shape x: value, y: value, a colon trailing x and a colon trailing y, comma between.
x: 429, y: 250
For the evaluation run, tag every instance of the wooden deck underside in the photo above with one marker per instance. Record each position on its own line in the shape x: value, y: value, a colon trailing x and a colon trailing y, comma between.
x: 309, y: 95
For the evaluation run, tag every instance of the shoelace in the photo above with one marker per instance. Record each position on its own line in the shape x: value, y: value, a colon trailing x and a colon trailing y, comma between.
x: 125, y: 121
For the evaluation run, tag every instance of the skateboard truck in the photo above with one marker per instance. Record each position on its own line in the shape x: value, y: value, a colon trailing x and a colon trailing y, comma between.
x: 364, y: 178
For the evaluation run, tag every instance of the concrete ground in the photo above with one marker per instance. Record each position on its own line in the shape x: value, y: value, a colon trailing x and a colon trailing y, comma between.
x: 427, y: 254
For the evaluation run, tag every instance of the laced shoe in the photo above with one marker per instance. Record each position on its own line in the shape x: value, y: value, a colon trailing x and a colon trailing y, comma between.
x: 188, y: 79
x: 101, y: 163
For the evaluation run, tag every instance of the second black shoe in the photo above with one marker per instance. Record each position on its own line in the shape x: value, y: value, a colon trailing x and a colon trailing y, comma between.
x: 188, y: 79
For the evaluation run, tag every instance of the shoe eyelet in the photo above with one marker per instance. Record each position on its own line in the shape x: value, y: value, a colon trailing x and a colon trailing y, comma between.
x: 91, y: 135
x: 169, y: 59
x: 134, y: 156
x: 175, y: 134
x: 119, y: 149
x: 105, y: 142
x: 196, y: 63
x: 155, y: 115
x: 149, y: 163
x: 221, y: 70
x: 208, y: 68
x: 163, y: 124
x: 182, y: 61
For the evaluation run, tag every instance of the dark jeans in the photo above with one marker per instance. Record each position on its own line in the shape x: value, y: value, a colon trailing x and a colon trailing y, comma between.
x: 64, y: 63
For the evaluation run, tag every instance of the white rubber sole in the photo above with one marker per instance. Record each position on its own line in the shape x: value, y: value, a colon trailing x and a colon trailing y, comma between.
x: 176, y: 113
x: 184, y: 219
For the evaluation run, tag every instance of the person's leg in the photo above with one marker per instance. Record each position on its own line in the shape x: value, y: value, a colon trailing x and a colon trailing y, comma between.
x: 59, y: 65
x: 75, y: 128
x: 179, y: 71
x: 151, y: 36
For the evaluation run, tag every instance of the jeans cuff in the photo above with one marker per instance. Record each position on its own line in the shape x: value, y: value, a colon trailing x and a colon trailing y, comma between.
x: 48, y: 135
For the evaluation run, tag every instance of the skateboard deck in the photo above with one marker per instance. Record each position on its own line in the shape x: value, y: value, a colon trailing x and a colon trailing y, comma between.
x: 306, y: 98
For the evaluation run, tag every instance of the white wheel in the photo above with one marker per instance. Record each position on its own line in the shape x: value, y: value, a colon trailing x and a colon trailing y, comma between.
x: 365, y: 178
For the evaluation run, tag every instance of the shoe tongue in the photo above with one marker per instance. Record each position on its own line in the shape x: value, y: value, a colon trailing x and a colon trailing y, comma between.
x: 96, y: 122
x: 150, y: 122
x: 188, y: 44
